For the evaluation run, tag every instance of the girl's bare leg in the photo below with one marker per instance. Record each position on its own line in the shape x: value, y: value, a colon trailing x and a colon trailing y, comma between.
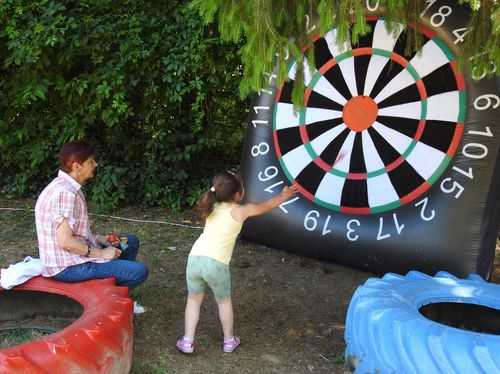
x: 192, y: 314
x: 226, y: 316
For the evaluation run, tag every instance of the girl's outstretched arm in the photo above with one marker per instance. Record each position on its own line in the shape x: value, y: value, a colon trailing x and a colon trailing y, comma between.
x: 242, y: 212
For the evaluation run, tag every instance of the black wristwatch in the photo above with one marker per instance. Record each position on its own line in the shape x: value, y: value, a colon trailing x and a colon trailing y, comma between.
x: 88, y: 251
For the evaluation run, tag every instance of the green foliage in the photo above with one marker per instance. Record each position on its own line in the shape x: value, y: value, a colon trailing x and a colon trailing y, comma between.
x: 18, y: 335
x: 159, y: 94
x: 145, y: 81
x: 108, y: 189
x: 481, y: 50
x: 270, y: 28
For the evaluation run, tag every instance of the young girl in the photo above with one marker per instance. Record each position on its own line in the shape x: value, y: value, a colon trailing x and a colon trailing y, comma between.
x: 208, y: 262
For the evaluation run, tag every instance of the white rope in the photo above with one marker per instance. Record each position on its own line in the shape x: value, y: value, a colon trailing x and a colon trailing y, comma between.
x: 30, y: 210
x: 147, y: 221
x: 120, y: 218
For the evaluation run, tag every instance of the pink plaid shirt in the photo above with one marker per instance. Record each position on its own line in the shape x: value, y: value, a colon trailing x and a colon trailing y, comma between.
x: 62, y: 198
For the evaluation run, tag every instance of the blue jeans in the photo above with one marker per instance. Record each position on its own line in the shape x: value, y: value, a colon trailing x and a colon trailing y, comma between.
x: 126, y: 271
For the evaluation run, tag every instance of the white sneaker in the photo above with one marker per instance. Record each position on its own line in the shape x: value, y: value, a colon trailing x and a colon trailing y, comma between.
x: 138, y: 308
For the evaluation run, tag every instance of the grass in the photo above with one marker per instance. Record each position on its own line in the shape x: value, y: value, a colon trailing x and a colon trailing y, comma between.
x: 19, y: 335
x: 289, y: 310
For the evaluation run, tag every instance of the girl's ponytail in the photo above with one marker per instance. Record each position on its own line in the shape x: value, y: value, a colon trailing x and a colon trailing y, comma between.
x: 225, y: 188
x: 205, y: 204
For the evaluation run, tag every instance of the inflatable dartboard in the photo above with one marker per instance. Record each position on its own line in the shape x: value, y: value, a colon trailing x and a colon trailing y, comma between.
x: 396, y: 155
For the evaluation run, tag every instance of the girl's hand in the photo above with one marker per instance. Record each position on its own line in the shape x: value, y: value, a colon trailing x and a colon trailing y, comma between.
x: 242, y: 212
x: 289, y: 191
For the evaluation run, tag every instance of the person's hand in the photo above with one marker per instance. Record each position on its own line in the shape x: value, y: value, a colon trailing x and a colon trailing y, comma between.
x: 110, y: 253
x: 101, y: 239
x: 289, y: 191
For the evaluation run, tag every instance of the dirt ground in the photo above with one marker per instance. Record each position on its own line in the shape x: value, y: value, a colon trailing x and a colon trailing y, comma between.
x: 289, y: 310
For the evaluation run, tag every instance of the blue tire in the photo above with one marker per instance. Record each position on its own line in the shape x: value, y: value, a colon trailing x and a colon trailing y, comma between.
x: 386, y: 333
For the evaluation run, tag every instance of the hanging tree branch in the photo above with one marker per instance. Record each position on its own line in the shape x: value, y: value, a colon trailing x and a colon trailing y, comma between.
x: 270, y: 31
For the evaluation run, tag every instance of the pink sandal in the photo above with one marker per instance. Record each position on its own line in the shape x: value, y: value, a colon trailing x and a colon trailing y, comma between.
x: 231, y: 344
x: 185, y: 345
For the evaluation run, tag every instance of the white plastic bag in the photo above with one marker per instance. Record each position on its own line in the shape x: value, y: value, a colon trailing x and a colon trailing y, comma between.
x: 19, y: 273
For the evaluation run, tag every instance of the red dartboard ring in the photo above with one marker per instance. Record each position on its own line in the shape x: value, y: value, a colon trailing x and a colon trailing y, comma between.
x: 99, y: 341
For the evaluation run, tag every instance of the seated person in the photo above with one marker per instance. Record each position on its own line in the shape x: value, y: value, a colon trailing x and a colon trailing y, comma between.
x: 69, y: 252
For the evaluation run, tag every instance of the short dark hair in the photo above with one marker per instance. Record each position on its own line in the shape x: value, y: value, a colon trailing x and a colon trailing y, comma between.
x: 75, y: 151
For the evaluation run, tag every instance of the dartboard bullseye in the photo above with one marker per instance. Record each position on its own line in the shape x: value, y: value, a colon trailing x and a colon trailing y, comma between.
x: 398, y: 119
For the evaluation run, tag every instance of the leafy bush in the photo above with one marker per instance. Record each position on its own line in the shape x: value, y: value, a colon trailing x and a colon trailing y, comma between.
x: 109, y: 188
x: 152, y: 88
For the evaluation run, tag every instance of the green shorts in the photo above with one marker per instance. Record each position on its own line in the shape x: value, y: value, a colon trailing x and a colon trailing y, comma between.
x: 202, y: 271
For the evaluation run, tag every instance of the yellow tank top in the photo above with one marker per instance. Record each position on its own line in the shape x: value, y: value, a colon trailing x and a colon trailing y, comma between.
x: 219, y: 235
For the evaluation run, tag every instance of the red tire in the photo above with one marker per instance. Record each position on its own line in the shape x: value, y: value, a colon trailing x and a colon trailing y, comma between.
x: 99, y: 341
